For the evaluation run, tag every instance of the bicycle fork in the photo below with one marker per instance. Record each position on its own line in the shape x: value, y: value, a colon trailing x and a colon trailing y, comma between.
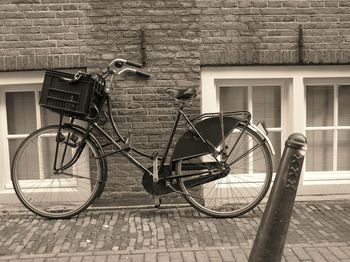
x: 72, y: 141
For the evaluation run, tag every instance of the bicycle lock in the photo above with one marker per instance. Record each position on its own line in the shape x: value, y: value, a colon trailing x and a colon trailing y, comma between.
x: 271, y: 236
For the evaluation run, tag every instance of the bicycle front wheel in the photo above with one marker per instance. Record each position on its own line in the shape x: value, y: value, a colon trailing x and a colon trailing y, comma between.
x: 42, y: 186
x: 243, y: 185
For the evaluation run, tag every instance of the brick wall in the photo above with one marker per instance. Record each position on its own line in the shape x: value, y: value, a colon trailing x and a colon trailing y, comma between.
x: 171, y: 41
x: 180, y: 36
x: 266, y: 32
x: 36, y: 34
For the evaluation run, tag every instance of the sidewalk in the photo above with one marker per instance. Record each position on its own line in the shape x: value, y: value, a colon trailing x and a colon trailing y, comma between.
x: 319, y: 231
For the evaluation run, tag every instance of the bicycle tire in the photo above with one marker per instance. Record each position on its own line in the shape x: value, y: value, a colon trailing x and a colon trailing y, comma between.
x: 242, y: 189
x: 52, y: 194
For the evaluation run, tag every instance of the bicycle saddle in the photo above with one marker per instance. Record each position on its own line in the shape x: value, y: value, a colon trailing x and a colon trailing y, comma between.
x: 182, y: 94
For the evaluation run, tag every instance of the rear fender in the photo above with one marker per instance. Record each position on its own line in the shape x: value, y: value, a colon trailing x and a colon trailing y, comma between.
x: 263, y: 136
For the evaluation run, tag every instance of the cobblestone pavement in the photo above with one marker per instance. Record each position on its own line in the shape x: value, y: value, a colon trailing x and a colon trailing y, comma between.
x: 319, y: 231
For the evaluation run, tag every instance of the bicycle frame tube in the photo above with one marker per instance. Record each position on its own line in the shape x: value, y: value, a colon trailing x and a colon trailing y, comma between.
x: 112, y: 120
x: 120, y: 149
x: 210, y: 147
x: 130, y: 157
x: 176, y: 123
x: 125, y: 152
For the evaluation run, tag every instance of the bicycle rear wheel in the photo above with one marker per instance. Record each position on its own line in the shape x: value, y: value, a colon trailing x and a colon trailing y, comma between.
x: 240, y: 188
x: 62, y: 193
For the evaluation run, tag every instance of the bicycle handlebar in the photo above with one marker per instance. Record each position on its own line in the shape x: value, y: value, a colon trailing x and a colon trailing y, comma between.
x: 119, y: 63
x: 134, y: 71
x: 133, y: 64
x: 144, y: 74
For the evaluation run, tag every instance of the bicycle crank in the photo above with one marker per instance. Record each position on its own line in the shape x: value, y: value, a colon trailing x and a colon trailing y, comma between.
x: 159, y: 187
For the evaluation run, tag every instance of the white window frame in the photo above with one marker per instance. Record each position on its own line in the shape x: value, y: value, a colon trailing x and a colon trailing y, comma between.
x: 323, y: 176
x: 30, y: 81
x: 294, y: 80
x: 14, y: 82
x: 250, y: 83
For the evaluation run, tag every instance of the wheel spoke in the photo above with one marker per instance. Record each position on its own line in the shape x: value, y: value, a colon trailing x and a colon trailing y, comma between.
x: 78, y: 176
x: 245, y: 184
x: 59, y: 195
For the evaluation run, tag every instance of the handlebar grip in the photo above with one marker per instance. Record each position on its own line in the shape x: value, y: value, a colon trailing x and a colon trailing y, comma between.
x: 133, y: 64
x: 140, y: 73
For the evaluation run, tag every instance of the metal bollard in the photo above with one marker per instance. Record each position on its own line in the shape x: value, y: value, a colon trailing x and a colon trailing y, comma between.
x: 270, y: 239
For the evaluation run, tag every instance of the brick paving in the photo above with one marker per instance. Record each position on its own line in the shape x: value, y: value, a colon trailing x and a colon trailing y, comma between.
x: 319, y: 231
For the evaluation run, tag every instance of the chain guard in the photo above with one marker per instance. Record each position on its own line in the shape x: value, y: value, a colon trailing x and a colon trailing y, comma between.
x: 156, y: 188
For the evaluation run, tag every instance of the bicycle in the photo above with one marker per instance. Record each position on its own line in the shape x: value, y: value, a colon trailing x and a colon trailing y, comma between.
x: 221, y: 165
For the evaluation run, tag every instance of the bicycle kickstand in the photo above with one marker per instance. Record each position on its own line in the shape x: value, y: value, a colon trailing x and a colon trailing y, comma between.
x: 157, y: 201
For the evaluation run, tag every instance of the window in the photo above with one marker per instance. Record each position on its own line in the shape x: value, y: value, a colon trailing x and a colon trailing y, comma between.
x: 20, y: 114
x: 312, y: 100
x: 21, y: 120
x: 23, y: 117
x: 328, y: 128
x: 263, y: 102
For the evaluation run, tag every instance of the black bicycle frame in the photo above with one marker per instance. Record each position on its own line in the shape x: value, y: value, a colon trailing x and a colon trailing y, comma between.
x: 125, y: 150
x: 163, y: 158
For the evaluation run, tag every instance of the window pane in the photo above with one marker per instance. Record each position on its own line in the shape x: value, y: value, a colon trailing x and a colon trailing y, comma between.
x: 30, y: 158
x: 319, y: 105
x: 343, y: 150
x: 233, y: 98
x: 344, y: 107
x: 267, y: 105
x: 30, y: 164
x: 21, y: 117
x: 48, y: 117
x: 319, y: 155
